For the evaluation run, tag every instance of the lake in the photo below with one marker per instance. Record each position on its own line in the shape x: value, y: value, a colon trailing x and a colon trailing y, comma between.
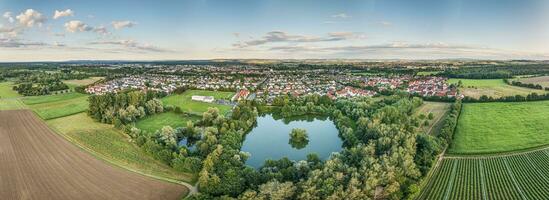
x: 269, y: 139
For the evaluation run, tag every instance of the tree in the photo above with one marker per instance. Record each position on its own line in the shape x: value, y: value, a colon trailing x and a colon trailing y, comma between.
x: 298, y: 138
x: 167, y: 136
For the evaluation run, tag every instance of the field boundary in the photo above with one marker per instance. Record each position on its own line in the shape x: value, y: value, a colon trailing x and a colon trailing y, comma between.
x: 497, y: 154
x: 192, y: 189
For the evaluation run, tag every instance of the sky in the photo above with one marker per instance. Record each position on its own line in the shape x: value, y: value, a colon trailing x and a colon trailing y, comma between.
x: 59, y: 30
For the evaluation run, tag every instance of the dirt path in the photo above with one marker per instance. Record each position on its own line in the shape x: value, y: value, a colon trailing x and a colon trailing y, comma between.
x: 38, y: 164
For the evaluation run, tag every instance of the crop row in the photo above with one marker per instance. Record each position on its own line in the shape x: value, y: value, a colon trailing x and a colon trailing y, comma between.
x: 521, y: 176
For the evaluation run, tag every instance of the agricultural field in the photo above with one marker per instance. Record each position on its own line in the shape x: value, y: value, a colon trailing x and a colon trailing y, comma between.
x: 39, y: 164
x: 438, y: 109
x: 82, y: 82
x: 195, y: 107
x: 109, y: 143
x: 11, y: 104
x: 428, y: 73
x: 156, y: 122
x: 501, y: 127
x: 491, y: 87
x: 541, y: 80
x: 513, y: 176
x: 6, y: 90
x: 54, y: 106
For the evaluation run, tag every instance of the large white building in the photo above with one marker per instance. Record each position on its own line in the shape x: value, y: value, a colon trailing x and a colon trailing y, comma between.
x: 207, y: 99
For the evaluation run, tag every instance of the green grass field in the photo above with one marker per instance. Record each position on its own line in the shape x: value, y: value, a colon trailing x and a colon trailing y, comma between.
x: 518, y: 176
x: 541, y: 80
x: 74, y: 83
x: 6, y: 90
x: 156, y: 122
x: 187, y: 105
x: 11, y: 104
x: 428, y: 73
x: 106, y: 142
x: 438, y: 109
x: 501, y: 127
x: 54, y: 106
x: 491, y: 87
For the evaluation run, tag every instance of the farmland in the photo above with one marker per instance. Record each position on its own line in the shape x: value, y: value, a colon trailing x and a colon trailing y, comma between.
x: 541, y: 80
x: 501, y: 127
x: 82, y: 82
x: 39, y: 164
x: 6, y: 90
x: 156, y: 122
x: 513, y: 176
x: 54, y: 106
x: 187, y: 105
x: 438, y: 109
x: 108, y: 143
x: 491, y: 87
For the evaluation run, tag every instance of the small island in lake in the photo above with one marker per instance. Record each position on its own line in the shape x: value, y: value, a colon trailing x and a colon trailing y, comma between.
x: 298, y: 138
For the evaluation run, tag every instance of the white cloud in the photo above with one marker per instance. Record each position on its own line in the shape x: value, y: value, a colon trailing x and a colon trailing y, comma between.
x: 123, y: 24
x: 65, y: 13
x: 341, y: 16
x: 77, y: 26
x: 131, y: 44
x: 101, y: 30
x: 9, y: 17
x: 31, y: 17
x: 384, y: 23
x: 280, y: 36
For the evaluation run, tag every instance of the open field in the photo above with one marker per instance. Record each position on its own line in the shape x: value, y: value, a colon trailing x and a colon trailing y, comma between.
x: 108, y: 143
x: 156, y: 122
x: 501, y: 127
x: 187, y: 105
x: 82, y: 82
x: 491, y: 87
x: 11, y: 104
x: 516, y: 176
x: 39, y: 164
x: 541, y: 80
x: 438, y: 109
x: 428, y: 73
x: 55, y: 106
x: 6, y: 90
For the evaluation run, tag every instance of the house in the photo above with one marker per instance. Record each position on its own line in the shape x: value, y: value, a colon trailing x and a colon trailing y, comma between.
x: 207, y: 99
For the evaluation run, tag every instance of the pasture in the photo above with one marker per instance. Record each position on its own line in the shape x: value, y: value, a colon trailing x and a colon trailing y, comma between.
x: 54, y: 106
x: 516, y: 176
x: 6, y: 90
x: 195, y: 107
x: 109, y: 143
x: 491, y: 87
x: 438, y: 109
x: 501, y: 127
x: 156, y: 122
x: 11, y: 104
x: 39, y: 164
x: 82, y: 82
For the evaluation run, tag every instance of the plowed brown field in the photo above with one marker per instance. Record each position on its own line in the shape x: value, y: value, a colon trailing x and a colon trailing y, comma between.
x: 36, y: 163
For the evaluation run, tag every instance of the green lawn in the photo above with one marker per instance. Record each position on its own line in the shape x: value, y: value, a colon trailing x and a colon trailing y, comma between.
x: 501, y: 127
x: 156, y: 122
x: 6, y: 90
x: 187, y: 105
x: 63, y: 106
x: 11, y: 104
x: 491, y: 87
x: 108, y: 143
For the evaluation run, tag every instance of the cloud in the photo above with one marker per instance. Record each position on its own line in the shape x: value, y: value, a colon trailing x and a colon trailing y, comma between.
x: 341, y: 16
x: 9, y: 17
x: 65, y: 13
x: 31, y: 17
x: 384, y: 23
x: 15, y: 43
x: 123, y: 24
x: 130, y: 44
x: 77, y: 26
x: 280, y: 36
x: 9, y: 32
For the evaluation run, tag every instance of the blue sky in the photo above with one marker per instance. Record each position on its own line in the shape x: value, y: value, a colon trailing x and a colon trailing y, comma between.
x: 278, y: 29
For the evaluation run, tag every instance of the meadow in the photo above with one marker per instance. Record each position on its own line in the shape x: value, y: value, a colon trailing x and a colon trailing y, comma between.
x: 516, y: 176
x: 501, y: 127
x: 54, y: 106
x: 156, y: 122
x: 82, y: 82
x: 541, y: 80
x: 438, y: 109
x: 491, y: 87
x: 195, y: 107
x: 6, y: 90
x: 109, y: 143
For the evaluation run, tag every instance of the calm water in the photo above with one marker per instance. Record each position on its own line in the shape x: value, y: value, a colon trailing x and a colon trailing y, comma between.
x: 269, y: 140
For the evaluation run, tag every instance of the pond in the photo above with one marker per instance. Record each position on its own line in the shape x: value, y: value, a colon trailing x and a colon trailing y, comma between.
x: 269, y: 139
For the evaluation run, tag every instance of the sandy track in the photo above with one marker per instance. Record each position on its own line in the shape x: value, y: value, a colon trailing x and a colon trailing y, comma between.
x: 36, y: 163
